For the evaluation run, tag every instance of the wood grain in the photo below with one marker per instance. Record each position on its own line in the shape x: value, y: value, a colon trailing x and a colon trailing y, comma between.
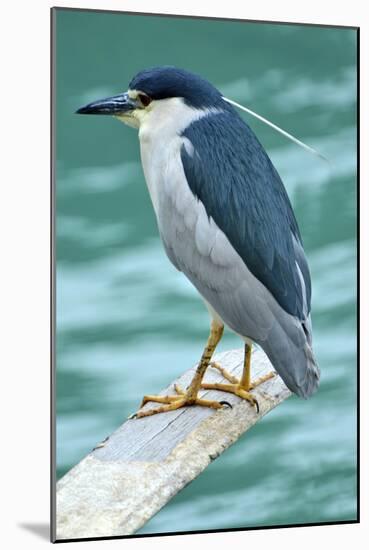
x: 120, y: 485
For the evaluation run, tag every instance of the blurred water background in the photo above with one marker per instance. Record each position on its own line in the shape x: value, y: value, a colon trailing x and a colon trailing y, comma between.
x: 128, y: 323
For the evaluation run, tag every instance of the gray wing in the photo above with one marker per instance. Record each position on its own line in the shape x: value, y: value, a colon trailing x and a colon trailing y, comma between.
x: 233, y: 177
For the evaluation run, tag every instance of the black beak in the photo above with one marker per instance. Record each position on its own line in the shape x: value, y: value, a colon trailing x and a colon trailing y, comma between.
x: 118, y: 104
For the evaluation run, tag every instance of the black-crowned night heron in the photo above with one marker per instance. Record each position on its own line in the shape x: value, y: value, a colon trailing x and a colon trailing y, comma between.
x: 226, y: 222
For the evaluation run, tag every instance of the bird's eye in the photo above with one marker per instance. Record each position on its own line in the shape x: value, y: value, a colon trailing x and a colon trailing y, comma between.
x: 144, y: 99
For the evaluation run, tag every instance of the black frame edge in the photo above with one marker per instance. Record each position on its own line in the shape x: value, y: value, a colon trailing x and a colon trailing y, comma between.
x: 53, y: 539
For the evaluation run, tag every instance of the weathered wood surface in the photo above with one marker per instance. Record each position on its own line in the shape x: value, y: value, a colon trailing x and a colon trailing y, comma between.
x: 119, y: 486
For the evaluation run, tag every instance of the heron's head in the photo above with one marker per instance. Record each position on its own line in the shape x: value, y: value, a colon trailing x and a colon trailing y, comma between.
x: 150, y: 89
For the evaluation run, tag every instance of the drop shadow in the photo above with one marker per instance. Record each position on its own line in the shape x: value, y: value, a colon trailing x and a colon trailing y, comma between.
x: 42, y: 530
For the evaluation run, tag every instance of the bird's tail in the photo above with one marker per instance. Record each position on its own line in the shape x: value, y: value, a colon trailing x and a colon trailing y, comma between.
x: 310, y: 383
x: 295, y: 363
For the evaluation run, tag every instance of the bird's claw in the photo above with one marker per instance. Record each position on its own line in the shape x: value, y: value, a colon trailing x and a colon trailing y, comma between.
x: 174, y: 402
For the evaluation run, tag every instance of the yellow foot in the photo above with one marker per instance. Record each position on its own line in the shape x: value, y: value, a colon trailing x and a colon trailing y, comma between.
x: 173, y: 402
x: 227, y: 375
x: 235, y: 385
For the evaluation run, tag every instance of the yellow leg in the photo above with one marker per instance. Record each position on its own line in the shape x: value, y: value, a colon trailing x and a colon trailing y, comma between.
x: 246, y: 375
x: 173, y: 402
x: 240, y: 387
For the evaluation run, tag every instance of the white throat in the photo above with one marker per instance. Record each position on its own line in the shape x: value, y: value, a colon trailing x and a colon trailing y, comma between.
x: 160, y: 135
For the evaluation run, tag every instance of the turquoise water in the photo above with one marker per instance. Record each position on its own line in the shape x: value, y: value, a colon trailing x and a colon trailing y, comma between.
x: 128, y: 323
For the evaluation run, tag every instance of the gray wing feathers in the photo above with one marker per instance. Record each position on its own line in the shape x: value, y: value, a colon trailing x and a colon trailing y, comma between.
x: 230, y: 173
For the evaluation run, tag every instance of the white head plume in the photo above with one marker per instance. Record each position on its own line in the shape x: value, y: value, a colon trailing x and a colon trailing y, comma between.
x: 283, y: 132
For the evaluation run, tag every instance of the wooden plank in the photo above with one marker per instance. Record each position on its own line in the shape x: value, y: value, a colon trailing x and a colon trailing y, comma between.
x: 122, y: 483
